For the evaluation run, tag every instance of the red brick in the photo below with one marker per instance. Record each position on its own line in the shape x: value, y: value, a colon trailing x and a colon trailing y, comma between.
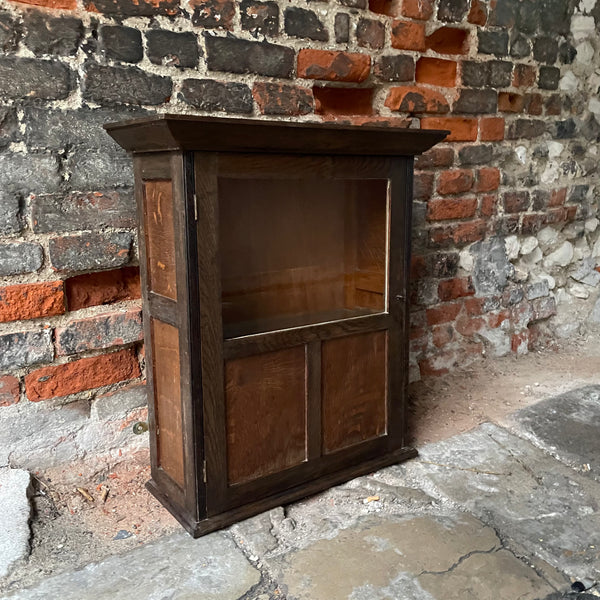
x: 436, y: 71
x: 428, y: 368
x: 413, y: 99
x: 448, y: 40
x: 84, y: 374
x: 456, y: 181
x: 515, y: 201
x: 444, y: 313
x: 532, y: 223
x: 461, y: 129
x: 452, y: 289
x: 52, y: 4
x: 477, y: 13
x: 418, y: 345
x: 418, y: 267
x: 534, y: 104
x: 9, y: 390
x: 407, y: 35
x: 105, y: 287
x: 417, y: 9
x: 280, y: 99
x: 491, y: 129
x: 331, y: 65
x: 519, y: 342
x: 469, y: 326
x: 459, y: 234
x: 571, y: 213
x: 488, y: 179
x: 442, y: 335
x: 489, y: 205
x: 474, y: 306
x: 443, y: 209
x: 496, y: 319
x: 509, y: 102
x: 558, y: 197
x: 553, y: 105
x: 524, y: 76
x: 31, y: 301
x: 422, y: 185
x: 343, y: 101
x: 436, y: 157
x: 384, y: 7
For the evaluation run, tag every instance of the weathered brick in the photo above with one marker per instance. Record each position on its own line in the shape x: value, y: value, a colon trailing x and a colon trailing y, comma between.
x: 210, y: 95
x: 98, y: 169
x: 75, y: 211
x: 558, y: 197
x: 302, y: 23
x: 444, y: 209
x: 9, y: 126
x: 261, y: 18
x: 511, y: 102
x: 545, y: 49
x: 102, y: 331
x: 343, y: 101
x: 280, y: 99
x: 333, y: 65
x: 476, y: 101
x: 500, y: 73
x: 461, y: 129
x: 480, y: 154
x: 553, y: 105
x: 241, y: 56
x: 548, y: 78
x: 526, y: 128
x: 28, y: 173
x: 125, y: 85
x: 45, y: 34
x: 540, y: 199
x: 417, y: 9
x: 213, y: 14
x: 444, y: 313
x: 452, y: 11
x: 475, y: 74
x: 122, y: 43
x: 534, y: 104
x: 422, y: 185
x: 23, y: 349
x: 89, y: 251
x: 132, y: 8
x: 104, y: 287
x: 488, y: 179
x: 9, y: 390
x: 489, y: 205
x: 84, y: 374
x: 515, y: 201
x: 442, y: 335
x: 436, y: 71
x: 341, y: 28
x: 456, y: 181
x: 415, y: 99
x: 520, y: 46
x: 20, y: 257
x: 172, y: 49
x: 477, y: 13
x: 408, y: 35
x: 31, y: 301
x: 524, y: 75
x: 370, y: 33
x: 491, y: 129
x: 34, y: 78
x: 397, y: 67
x: 458, y: 234
x: 10, y: 33
x: 436, y: 157
x: 531, y: 224
x: 448, y: 40
x: 493, y: 42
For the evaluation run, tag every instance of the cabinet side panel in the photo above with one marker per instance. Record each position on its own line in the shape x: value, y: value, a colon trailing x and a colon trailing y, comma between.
x: 354, y: 389
x: 160, y: 237
x: 265, y: 397
x: 167, y: 399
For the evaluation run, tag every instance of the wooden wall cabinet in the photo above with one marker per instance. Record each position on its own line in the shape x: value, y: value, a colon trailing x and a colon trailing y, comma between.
x: 274, y: 261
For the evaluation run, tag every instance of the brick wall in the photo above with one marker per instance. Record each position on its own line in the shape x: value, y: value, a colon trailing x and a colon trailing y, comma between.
x: 505, y: 231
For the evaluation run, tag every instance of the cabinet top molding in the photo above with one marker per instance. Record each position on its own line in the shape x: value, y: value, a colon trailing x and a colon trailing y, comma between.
x: 209, y: 134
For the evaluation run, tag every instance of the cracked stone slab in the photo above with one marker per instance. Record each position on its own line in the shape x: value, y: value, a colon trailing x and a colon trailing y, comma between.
x: 174, y: 568
x: 15, y: 512
x: 567, y: 426
x: 534, y: 501
x: 415, y: 557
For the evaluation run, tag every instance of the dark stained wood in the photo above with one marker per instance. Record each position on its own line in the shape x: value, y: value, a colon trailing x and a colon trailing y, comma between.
x: 160, y: 237
x: 167, y: 399
x: 209, y: 134
x: 265, y: 399
x: 313, y: 397
x: 354, y: 389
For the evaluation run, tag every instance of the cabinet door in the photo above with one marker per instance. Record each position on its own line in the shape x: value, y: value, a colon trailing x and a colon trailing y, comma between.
x: 303, y: 271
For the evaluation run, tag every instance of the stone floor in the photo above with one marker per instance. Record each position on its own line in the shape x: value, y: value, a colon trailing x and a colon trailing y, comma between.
x: 503, y: 512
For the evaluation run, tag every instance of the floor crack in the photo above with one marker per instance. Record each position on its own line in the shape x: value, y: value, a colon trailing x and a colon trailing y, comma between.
x: 537, y: 478
x: 460, y: 561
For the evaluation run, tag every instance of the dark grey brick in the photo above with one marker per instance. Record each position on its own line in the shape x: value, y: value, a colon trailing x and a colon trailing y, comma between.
x: 210, y: 95
x: 504, y: 14
x: 260, y: 18
x: 566, y: 53
x: 29, y: 173
x: 395, y: 68
x: 76, y: 211
x: 500, y: 73
x: 549, y: 78
x: 526, y: 128
x: 58, y: 36
x: 10, y: 213
x: 23, y: 349
x: 475, y: 74
x: 545, y: 49
x: 133, y: 8
x: 302, y: 23
x: 172, y: 49
x: 233, y: 55
x: 565, y: 129
x: 493, y: 42
x: 342, y: 28
x: 443, y: 264
x: 555, y: 16
x: 125, y: 85
x: 520, y: 46
x: 370, y: 33
x: 354, y: 3
x: 476, y: 155
x: 10, y: 32
x: 122, y: 43
x: 540, y: 199
x: 476, y: 101
x: 578, y: 193
x: 528, y: 16
x: 33, y: 78
x: 20, y: 257
x: 452, y: 11
x: 9, y: 126
x: 214, y: 14
x: 90, y: 251
x: 98, y: 169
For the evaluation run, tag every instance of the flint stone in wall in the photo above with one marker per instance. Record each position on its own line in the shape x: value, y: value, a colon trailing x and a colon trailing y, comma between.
x: 548, y: 238
x: 533, y: 257
x: 498, y: 340
x: 528, y: 245
x: 561, y: 257
x: 595, y: 313
x: 538, y: 289
x: 586, y: 273
x: 579, y: 291
x: 491, y: 266
x: 19, y: 350
x: 512, y: 246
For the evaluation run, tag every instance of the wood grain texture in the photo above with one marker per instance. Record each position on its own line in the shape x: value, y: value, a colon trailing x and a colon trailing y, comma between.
x: 265, y: 398
x: 354, y: 389
x: 167, y: 399
x: 160, y: 237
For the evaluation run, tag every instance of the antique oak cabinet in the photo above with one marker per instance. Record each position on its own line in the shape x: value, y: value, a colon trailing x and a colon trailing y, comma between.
x: 274, y: 260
